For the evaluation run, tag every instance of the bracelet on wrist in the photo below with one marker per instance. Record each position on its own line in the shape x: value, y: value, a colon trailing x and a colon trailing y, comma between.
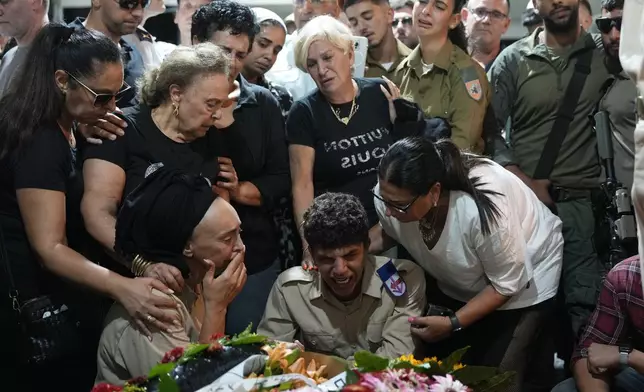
x: 139, y: 265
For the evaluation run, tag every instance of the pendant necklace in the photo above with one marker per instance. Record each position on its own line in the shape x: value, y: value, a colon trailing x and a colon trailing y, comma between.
x: 352, y: 112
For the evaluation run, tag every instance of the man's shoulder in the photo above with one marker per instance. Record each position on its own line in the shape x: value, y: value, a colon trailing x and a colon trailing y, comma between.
x: 295, y: 276
x: 626, y: 276
x: 402, y: 265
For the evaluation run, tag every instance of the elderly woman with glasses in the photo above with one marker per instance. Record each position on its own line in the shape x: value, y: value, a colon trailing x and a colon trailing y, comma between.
x: 338, y: 133
x: 181, y: 100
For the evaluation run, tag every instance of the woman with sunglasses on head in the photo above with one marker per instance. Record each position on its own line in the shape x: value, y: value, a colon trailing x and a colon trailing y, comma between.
x: 180, y: 101
x: 441, y: 77
x: 493, y: 248
x: 72, y: 76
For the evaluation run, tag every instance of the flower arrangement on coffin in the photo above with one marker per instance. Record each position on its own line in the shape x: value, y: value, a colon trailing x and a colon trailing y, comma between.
x: 408, y: 374
x: 192, y: 368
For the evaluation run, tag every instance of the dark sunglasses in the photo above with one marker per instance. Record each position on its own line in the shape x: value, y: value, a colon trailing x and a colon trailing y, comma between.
x: 406, y: 21
x: 132, y: 4
x: 102, y: 99
x: 400, y: 209
x: 605, y: 25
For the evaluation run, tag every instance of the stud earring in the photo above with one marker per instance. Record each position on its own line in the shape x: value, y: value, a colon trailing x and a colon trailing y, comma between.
x: 176, y: 109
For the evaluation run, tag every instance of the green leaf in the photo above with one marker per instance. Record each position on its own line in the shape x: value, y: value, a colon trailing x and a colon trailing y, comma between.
x: 498, y: 383
x: 474, y: 374
x: 286, y: 386
x: 162, y: 368
x: 351, y: 376
x: 293, y: 356
x: 369, y: 362
x: 167, y: 384
x: 192, y: 351
x: 453, y: 359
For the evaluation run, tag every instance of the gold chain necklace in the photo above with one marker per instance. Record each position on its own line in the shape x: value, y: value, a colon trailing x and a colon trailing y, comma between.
x: 345, y: 120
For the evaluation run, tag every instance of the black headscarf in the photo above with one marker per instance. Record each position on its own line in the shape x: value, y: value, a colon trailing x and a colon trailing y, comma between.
x: 158, y: 217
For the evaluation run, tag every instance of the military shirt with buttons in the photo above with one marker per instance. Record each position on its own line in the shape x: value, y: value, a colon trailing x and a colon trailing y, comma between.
x: 454, y: 87
x: 377, y: 70
x: 529, y: 82
x: 301, y: 307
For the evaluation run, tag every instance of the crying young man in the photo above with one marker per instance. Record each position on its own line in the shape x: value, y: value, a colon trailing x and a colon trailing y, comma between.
x: 350, y: 300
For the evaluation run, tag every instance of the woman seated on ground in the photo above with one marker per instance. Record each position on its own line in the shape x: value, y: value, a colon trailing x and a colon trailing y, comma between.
x: 494, y: 249
x: 181, y: 100
x: 176, y: 217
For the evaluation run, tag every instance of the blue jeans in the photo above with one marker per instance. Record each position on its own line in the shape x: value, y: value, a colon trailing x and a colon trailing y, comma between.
x: 626, y: 381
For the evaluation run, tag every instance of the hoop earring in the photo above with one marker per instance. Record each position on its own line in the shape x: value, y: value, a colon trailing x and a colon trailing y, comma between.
x: 176, y: 109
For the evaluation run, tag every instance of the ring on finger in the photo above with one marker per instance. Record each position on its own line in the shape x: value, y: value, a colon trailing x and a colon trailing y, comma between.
x: 149, y: 318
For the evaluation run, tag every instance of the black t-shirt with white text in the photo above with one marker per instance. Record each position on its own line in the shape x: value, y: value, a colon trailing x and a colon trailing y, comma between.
x: 346, y: 156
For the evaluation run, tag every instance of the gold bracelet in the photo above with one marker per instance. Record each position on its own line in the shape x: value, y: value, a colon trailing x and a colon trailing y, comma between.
x: 139, y: 265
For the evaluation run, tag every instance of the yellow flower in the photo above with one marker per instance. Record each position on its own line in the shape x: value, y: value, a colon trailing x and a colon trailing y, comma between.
x: 458, y: 366
x: 416, y: 362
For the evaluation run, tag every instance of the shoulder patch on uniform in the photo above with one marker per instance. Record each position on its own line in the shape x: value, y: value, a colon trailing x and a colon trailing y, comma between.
x: 472, y: 83
x: 392, y: 279
x: 296, y: 274
x: 143, y: 35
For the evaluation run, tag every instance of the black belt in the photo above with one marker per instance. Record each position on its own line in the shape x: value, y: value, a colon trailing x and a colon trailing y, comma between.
x: 560, y: 194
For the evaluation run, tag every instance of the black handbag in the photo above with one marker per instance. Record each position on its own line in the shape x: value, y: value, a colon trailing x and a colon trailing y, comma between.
x: 48, y: 327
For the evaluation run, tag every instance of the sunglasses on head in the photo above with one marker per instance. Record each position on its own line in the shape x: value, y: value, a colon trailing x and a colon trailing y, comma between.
x: 102, y: 99
x: 605, y: 25
x: 406, y: 21
x: 132, y: 4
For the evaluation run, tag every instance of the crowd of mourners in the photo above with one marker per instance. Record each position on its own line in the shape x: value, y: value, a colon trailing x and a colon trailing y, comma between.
x: 455, y: 194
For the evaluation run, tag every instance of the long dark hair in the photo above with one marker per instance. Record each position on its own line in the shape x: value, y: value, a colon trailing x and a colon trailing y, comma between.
x: 34, y: 98
x: 416, y: 164
x: 457, y: 35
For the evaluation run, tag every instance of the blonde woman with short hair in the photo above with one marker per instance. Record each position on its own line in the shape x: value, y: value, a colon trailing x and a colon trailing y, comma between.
x: 338, y: 133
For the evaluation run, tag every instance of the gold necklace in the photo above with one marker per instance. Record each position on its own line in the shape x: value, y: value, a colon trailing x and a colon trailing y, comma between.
x: 345, y: 120
x: 428, y: 229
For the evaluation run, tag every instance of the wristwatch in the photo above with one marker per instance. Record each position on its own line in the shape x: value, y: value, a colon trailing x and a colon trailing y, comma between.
x: 456, y: 325
x: 624, y: 352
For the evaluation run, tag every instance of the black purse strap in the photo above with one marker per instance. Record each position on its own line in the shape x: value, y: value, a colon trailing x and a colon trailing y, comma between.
x: 565, y: 115
x: 4, y: 260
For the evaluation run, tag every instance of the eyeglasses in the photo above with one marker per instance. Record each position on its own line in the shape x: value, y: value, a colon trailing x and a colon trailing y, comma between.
x: 400, y: 209
x: 481, y: 13
x: 605, y: 25
x: 132, y: 4
x: 102, y: 99
x: 406, y: 21
x: 302, y: 3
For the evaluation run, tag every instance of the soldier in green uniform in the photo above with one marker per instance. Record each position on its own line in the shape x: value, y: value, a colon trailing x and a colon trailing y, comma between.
x: 530, y: 79
x: 441, y: 77
x: 372, y: 19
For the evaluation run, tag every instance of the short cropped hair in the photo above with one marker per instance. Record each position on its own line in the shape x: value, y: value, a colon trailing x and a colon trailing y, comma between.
x: 611, y: 5
x: 180, y: 68
x: 399, y: 4
x: 349, y: 3
x: 321, y: 28
x: 335, y: 220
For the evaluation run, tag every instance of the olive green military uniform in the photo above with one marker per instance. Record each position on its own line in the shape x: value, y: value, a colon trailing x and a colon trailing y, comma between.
x: 529, y: 82
x: 377, y: 70
x: 301, y: 307
x: 455, y: 88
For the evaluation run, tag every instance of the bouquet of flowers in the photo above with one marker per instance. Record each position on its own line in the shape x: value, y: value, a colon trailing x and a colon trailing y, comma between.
x: 408, y: 374
x: 190, y: 369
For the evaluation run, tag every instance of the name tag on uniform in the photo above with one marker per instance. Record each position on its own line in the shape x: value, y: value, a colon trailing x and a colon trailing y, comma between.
x: 391, y: 278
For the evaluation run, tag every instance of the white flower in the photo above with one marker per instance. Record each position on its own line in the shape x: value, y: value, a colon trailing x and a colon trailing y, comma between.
x: 447, y: 384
